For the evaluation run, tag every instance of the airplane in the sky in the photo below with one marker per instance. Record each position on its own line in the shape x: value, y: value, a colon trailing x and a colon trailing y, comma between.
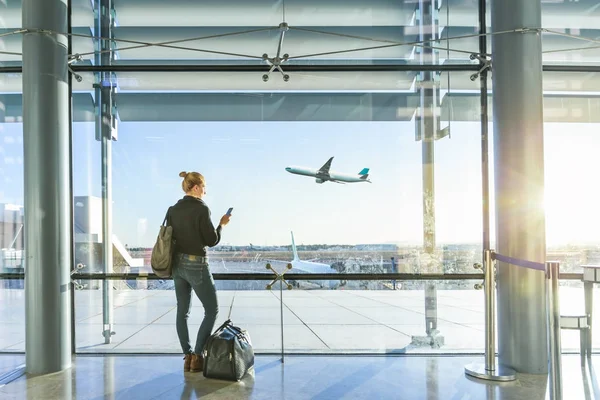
x: 323, y: 174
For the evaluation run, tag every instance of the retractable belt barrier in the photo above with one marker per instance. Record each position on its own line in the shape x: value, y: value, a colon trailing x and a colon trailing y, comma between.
x: 518, y: 262
x: 491, y: 370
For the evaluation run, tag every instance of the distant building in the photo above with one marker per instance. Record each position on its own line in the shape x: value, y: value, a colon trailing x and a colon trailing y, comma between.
x: 11, y: 227
x: 376, y: 247
x: 88, y: 237
x: 12, y: 242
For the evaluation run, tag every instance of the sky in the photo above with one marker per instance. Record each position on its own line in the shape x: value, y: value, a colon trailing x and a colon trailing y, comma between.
x: 244, y: 165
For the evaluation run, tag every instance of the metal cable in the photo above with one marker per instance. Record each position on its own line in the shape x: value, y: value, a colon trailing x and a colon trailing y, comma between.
x: 571, y: 37
x: 12, y: 32
x: 10, y: 53
x: 416, y: 43
x: 167, y: 43
x: 344, y: 35
x: 140, y: 44
x: 597, y: 41
x: 393, y: 42
x: 571, y: 49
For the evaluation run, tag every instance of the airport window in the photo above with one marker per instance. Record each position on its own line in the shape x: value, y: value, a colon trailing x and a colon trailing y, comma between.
x: 12, y: 239
x: 324, y: 163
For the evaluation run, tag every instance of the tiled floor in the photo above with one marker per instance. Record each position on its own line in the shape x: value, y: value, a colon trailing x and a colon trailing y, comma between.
x: 315, y: 321
x: 300, y: 377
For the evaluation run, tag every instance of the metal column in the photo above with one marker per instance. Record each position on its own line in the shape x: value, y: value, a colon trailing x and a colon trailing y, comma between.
x: 490, y: 369
x: 427, y: 131
x: 428, y: 119
x: 47, y: 198
x: 483, y: 93
x: 71, y: 197
x: 519, y: 181
x: 553, y: 321
x: 105, y: 133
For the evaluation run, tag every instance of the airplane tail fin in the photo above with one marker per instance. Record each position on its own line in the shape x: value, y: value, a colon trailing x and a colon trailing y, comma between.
x: 294, y: 250
x: 364, y: 175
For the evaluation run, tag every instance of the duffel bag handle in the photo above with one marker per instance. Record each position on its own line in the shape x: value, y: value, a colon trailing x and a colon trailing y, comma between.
x: 219, y: 329
x: 229, y: 325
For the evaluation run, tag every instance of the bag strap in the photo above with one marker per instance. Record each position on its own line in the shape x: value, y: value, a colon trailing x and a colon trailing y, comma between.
x: 166, y: 220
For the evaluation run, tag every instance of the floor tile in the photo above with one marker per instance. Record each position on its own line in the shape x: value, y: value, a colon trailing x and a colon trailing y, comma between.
x: 459, y: 312
x: 378, y: 338
x: 299, y: 377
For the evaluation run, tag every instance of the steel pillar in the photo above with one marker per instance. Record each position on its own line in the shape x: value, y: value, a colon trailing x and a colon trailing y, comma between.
x: 427, y: 131
x: 47, y: 195
x: 105, y: 89
x: 519, y: 183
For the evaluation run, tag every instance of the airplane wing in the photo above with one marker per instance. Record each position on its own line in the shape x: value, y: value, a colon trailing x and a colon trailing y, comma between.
x: 325, y: 168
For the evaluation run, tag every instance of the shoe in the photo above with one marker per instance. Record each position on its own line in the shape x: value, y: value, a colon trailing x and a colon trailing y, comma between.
x: 197, y: 363
x: 187, y: 360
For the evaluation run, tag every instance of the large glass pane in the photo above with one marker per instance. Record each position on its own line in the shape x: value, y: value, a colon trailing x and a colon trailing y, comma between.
x: 324, y: 32
x: 571, y: 139
x: 570, y: 32
x: 387, y: 321
x: 315, y: 321
x: 378, y: 130
x: 88, y: 236
x: 458, y: 180
x: 12, y: 243
x: 243, y: 141
x: 10, y: 42
x: 571, y: 142
x: 573, y: 30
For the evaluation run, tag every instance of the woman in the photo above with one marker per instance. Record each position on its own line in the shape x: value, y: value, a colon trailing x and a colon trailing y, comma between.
x: 193, y: 232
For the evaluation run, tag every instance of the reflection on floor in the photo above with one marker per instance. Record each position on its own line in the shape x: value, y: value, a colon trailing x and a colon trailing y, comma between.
x: 315, y: 321
x: 9, y: 363
x: 300, y: 377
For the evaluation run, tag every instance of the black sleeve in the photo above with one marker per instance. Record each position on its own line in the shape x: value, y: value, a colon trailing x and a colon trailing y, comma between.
x: 210, y: 235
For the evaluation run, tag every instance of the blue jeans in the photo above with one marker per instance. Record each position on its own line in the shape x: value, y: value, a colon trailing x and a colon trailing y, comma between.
x: 190, y: 272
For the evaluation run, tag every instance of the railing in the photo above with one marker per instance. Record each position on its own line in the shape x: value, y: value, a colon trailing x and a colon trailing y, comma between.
x: 488, y: 277
x: 291, y: 276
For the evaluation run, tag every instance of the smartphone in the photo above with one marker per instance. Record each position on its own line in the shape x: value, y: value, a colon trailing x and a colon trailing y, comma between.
x: 229, y: 211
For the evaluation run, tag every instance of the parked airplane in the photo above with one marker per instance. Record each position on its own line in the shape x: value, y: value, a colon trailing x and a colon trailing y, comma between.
x: 311, y: 267
x: 323, y: 174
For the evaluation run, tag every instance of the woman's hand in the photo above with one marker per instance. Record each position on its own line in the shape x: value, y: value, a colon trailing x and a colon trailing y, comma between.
x: 224, y: 220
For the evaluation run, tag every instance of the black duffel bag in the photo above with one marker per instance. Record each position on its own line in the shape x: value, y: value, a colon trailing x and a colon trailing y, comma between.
x: 228, y: 353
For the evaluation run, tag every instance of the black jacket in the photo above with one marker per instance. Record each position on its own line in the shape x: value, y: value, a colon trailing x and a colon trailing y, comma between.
x: 193, y: 230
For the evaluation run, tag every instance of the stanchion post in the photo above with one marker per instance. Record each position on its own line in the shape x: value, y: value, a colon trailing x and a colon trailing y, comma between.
x: 490, y: 311
x: 490, y: 370
x: 553, y: 317
x: 280, y: 277
x: 281, y: 317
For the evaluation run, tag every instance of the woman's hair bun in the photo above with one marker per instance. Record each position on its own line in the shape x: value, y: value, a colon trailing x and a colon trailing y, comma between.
x: 183, y: 174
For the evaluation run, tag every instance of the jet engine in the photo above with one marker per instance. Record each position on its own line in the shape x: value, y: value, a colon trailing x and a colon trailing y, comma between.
x: 319, y: 180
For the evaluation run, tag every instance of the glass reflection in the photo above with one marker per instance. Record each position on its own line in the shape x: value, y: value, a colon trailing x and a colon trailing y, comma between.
x: 12, y: 213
